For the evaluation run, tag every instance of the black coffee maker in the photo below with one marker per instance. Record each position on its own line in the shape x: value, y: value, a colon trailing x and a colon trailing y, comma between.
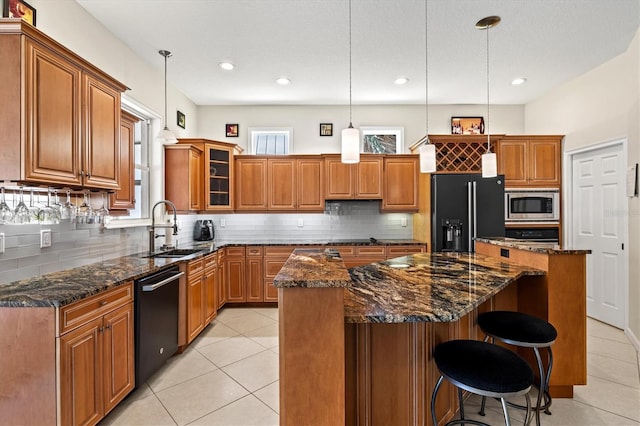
x: 203, y: 230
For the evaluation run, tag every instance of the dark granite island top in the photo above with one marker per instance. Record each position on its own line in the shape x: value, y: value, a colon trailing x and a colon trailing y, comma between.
x: 532, y: 246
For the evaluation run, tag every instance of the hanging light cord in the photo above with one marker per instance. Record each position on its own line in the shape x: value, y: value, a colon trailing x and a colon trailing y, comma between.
x: 350, y: 119
x: 426, y: 73
x: 488, y: 108
x: 165, y: 88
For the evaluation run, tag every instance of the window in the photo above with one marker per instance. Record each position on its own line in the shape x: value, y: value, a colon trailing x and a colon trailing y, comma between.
x: 382, y: 140
x: 270, y: 140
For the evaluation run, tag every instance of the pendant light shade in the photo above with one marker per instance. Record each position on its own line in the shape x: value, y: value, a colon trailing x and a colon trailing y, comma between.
x: 427, y: 151
x: 166, y: 135
x: 350, y: 136
x: 489, y: 160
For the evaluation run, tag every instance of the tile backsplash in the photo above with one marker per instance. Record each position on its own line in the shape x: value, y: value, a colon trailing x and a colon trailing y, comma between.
x: 71, y: 247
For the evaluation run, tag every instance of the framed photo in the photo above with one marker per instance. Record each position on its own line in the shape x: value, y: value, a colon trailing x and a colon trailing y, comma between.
x: 326, y: 129
x: 182, y: 120
x: 232, y: 130
x: 467, y: 125
x: 20, y: 9
x: 382, y: 140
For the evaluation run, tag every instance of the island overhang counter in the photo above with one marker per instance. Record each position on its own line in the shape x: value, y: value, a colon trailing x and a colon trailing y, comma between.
x: 356, y: 346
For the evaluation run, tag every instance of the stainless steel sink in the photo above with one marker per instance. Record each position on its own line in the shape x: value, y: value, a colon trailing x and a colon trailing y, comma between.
x: 175, y: 253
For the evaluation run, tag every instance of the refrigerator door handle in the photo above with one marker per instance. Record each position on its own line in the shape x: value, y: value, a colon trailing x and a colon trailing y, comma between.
x: 469, y: 214
x: 475, y: 219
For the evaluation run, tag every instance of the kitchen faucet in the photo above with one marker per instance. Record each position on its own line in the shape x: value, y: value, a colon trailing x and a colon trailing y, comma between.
x: 152, y: 228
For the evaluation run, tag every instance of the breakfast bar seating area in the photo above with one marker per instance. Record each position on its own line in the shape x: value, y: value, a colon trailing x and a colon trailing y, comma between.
x: 391, y: 315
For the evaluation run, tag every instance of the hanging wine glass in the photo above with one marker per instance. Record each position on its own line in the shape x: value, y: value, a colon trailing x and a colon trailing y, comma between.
x: 34, y: 210
x: 56, y: 202
x: 48, y: 214
x: 22, y: 213
x: 6, y: 213
x: 102, y: 214
x: 84, y: 214
x: 68, y: 210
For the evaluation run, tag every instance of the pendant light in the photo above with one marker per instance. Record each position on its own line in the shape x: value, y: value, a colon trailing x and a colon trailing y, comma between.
x: 427, y: 150
x: 350, y: 136
x: 165, y: 134
x: 489, y: 160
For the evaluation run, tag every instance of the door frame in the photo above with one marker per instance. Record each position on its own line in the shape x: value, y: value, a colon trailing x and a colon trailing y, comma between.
x: 567, y: 201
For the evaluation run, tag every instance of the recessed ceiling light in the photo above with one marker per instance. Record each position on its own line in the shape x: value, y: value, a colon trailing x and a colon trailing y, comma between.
x: 401, y: 80
x: 226, y: 66
x: 283, y: 81
x: 518, y: 81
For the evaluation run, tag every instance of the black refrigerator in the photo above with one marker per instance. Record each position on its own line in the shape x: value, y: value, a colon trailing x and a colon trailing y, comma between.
x: 465, y: 206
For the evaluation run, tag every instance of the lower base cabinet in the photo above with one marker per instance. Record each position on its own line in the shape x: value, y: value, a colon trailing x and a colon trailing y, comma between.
x: 235, y: 274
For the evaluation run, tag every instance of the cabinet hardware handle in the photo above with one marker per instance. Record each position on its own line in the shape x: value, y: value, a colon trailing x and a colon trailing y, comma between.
x: 108, y: 326
x: 101, y: 329
x: 81, y: 174
x: 104, y: 302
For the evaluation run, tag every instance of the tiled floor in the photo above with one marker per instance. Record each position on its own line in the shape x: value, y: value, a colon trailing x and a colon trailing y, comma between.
x: 229, y: 376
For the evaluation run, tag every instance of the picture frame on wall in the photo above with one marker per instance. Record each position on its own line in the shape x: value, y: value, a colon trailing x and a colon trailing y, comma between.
x: 382, y: 140
x: 467, y: 125
x: 231, y: 130
x: 19, y: 9
x: 326, y: 129
x: 182, y: 120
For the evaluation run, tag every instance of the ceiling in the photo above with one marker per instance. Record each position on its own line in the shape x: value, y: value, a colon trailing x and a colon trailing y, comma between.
x: 548, y: 42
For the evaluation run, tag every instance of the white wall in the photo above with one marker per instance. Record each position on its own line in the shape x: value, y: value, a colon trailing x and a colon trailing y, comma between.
x: 306, y: 120
x: 599, y: 106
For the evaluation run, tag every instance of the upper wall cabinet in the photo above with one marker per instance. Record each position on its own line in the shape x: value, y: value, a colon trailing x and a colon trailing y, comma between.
x: 124, y: 198
x: 59, y: 115
x: 530, y: 160
x: 400, y: 183
x: 362, y: 181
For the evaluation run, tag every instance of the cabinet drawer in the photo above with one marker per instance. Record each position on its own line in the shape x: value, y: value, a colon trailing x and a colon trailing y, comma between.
x: 370, y: 251
x: 85, y: 310
x: 210, y: 261
x: 272, y: 267
x: 254, y: 250
x: 395, y: 251
x: 345, y: 250
x: 280, y: 251
x: 194, y: 267
x: 234, y: 251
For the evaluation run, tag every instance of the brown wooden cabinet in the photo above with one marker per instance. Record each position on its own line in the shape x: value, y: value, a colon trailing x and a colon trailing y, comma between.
x: 353, y: 181
x: 310, y: 184
x: 96, y: 355
x: 59, y: 114
x: 251, y: 184
x: 400, y: 183
x: 195, y: 299
x: 210, y: 287
x: 235, y: 274
x: 282, y: 184
x: 183, y: 165
x: 274, y: 259
x: 124, y: 198
x: 221, y: 283
x: 254, y: 276
x: 530, y: 161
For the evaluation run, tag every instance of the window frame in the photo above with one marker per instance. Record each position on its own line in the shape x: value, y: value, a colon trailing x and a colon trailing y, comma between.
x: 252, y: 131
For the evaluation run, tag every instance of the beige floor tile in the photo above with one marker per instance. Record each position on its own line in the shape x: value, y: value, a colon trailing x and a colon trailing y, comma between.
x: 614, y: 398
x: 569, y: 412
x: 493, y: 412
x: 198, y: 397
x: 180, y: 368
x: 230, y: 350
x: 250, y: 321
x: 140, y: 411
x: 248, y: 411
x: 256, y: 371
x: 215, y: 332
x: 605, y: 331
x: 270, y: 395
x: 266, y: 336
x: 613, y: 370
x: 229, y: 312
x: 611, y: 349
x: 268, y: 312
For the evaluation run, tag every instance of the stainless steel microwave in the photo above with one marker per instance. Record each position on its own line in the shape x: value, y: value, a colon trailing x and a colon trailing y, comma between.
x: 532, y: 205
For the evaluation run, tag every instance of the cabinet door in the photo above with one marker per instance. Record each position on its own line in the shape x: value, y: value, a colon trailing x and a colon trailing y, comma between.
x: 338, y: 179
x: 53, y: 100
x: 254, y: 277
x: 513, y: 161
x: 211, y: 299
x: 101, y: 145
x: 81, y: 375
x: 400, y: 183
x: 251, y: 184
x: 281, y: 184
x: 183, y: 164
x: 218, y: 176
x: 544, y: 162
x: 119, y: 378
x: 195, y: 306
x: 123, y: 199
x: 310, y: 180
x: 235, y: 277
x: 368, y: 180
x: 221, y: 283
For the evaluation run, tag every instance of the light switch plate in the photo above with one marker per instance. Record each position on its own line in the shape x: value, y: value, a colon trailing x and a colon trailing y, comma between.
x: 1, y: 242
x: 300, y: 223
x: 45, y: 238
x: 223, y: 223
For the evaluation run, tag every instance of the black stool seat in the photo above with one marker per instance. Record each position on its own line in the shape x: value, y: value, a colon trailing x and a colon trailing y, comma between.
x: 517, y: 328
x: 484, y: 369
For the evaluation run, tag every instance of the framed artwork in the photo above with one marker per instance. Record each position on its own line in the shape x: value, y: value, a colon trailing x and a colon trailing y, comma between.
x: 326, y: 129
x: 20, y: 9
x: 182, y: 120
x: 467, y: 125
x: 382, y: 140
x: 231, y: 130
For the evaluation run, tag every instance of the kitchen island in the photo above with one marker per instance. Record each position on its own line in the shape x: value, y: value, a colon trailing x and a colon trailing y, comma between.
x: 382, y: 326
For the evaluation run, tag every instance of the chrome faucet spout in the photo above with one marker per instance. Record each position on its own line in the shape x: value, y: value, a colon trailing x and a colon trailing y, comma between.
x: 152, y: 228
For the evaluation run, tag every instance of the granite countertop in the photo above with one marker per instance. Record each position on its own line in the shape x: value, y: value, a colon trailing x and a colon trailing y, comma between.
x: 65, y: 287
x: 313, y: 268
x: 533, y: 246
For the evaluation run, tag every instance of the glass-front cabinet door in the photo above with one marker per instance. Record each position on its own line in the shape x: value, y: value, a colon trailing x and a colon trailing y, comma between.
x: 218, y: 172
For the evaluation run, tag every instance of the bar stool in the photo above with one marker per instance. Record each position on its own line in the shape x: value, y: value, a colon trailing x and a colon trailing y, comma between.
x: 518, y: 329
x: 483, y: 369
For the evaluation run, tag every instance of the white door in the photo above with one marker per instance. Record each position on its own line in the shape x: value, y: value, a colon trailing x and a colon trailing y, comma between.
x: 599, y: 211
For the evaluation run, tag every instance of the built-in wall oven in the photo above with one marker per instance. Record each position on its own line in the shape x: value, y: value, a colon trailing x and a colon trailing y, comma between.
x: 532, y: 205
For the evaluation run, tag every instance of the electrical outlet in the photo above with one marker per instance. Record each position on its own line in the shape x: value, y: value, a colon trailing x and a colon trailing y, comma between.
x: 1, y: 242
x: 300, y: 223
x: 45, y: 238
x: 403, y: 222
x: 223, y: 222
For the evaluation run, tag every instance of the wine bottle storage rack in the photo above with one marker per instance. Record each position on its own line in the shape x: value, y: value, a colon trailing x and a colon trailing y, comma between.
x: 457, y: 157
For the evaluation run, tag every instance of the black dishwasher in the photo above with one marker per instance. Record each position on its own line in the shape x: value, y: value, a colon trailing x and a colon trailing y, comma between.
x: 156, y: 321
